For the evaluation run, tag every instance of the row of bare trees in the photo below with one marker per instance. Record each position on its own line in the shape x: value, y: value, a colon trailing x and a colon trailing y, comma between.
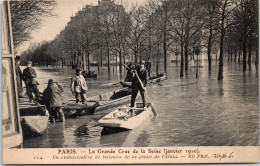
x: 159, y: 28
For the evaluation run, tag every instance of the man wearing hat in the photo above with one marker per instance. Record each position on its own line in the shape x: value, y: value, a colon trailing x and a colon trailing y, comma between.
x: 29, y: 75
x: 79, y: 87
x: 52, y: 98
x: 19, y: 77
x: 136, y: 85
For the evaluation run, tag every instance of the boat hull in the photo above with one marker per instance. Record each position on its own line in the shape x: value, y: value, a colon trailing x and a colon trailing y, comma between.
x: 119, y: 119
x: 126, y: 84
x: 112, y: 99
x: 34, y: 119
x: 75, y: 109
x: 34, y: 125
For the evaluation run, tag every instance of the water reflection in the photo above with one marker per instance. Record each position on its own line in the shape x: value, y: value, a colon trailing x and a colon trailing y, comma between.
x: 191, y: 112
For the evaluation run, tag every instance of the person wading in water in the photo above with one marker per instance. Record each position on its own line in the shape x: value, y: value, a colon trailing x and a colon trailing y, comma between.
x: 52, y: 98
x: 136, y: 86
x: 79, y: 87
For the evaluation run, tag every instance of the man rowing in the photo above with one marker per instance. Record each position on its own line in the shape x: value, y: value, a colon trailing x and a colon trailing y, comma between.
x: 136, y: 85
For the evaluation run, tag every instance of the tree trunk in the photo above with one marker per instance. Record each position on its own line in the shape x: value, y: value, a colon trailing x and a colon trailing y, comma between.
x: 101, y: 59
x: 84, y: 61
x: 88, y: 63
x: 256, y: 58
x: 239, y: 55
x: 222, y: 34
x: 209, y: 53
x: 124, y: 62
x: 165, y: 55
x: 249, y: 57
x: 228, y: 55
x: 56, y: 63
x: 235, y: 58
x: 244, y: 40
x: 244, y: 51
x: 181, y: 71
x: 165, y: 45
x: 250, y: 50
x: 108, y: 59
x: 157, y: 66
x: 120, y: 62
x: 186, y: 50
x: 136, y: 58
x: 231, y: 55
x: 62, y: 63
x: 98, y: 63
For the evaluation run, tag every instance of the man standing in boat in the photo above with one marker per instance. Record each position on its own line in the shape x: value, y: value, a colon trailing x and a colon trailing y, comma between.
x: 52, y: 98
x: 79, y: 87
x: 19, y: 77
x: 136, y: 85
x: 29, y: 75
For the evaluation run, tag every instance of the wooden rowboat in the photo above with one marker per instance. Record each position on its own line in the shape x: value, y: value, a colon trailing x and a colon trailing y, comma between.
x: 154, y: 79
x: 125, y: 118
x: 158, y: 78
x: 126, y: 84
x: 89, y: 75
x: 97, y: 103
x: 78, y: 109
x: 112, y: 99
x: 34, y: 119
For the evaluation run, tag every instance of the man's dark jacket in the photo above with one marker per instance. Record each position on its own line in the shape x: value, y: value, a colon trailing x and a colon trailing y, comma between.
x: 29, y: 75
x: 143, y: 77
x: 52, y: 96
x: 19, y: 77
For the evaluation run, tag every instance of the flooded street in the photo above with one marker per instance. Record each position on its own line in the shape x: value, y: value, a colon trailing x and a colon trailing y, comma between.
x: 191, y: 112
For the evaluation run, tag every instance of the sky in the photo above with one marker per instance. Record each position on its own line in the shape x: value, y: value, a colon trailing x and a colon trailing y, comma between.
x: 53, y: 25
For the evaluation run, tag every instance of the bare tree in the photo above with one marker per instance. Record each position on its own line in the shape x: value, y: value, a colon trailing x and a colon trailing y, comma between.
x: 226, y: 9
x: 210, y: 20
x: 27, y: 16
x: 163, y: 10
x: 120, y: 29
x: 136, y: 37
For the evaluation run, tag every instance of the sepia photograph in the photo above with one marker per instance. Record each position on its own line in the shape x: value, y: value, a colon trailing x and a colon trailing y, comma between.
x: 96, y: 79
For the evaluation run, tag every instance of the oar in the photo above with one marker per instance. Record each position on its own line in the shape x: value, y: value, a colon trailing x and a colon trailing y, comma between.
x: 153, y: 109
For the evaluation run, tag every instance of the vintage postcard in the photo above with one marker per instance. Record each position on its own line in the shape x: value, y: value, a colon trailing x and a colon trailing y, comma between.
x: 130, y: 82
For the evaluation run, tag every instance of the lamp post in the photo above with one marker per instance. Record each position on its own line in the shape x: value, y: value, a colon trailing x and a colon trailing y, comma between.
x: 197, y: 52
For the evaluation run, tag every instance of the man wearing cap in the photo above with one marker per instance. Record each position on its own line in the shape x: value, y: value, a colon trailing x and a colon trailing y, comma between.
x: 136, y: 85
x: 19, y: 77
x: 52, y: 98
x: 79, y: 86
x: 29, y: 75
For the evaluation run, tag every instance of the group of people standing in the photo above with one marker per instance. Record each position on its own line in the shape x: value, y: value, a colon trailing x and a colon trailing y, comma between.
x: 29, y: 77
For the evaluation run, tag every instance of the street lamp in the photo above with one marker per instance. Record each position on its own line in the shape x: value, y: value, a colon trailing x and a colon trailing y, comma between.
x: 197, y: 52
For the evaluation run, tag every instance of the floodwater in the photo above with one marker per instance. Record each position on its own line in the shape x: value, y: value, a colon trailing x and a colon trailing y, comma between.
x: 191, y: 112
